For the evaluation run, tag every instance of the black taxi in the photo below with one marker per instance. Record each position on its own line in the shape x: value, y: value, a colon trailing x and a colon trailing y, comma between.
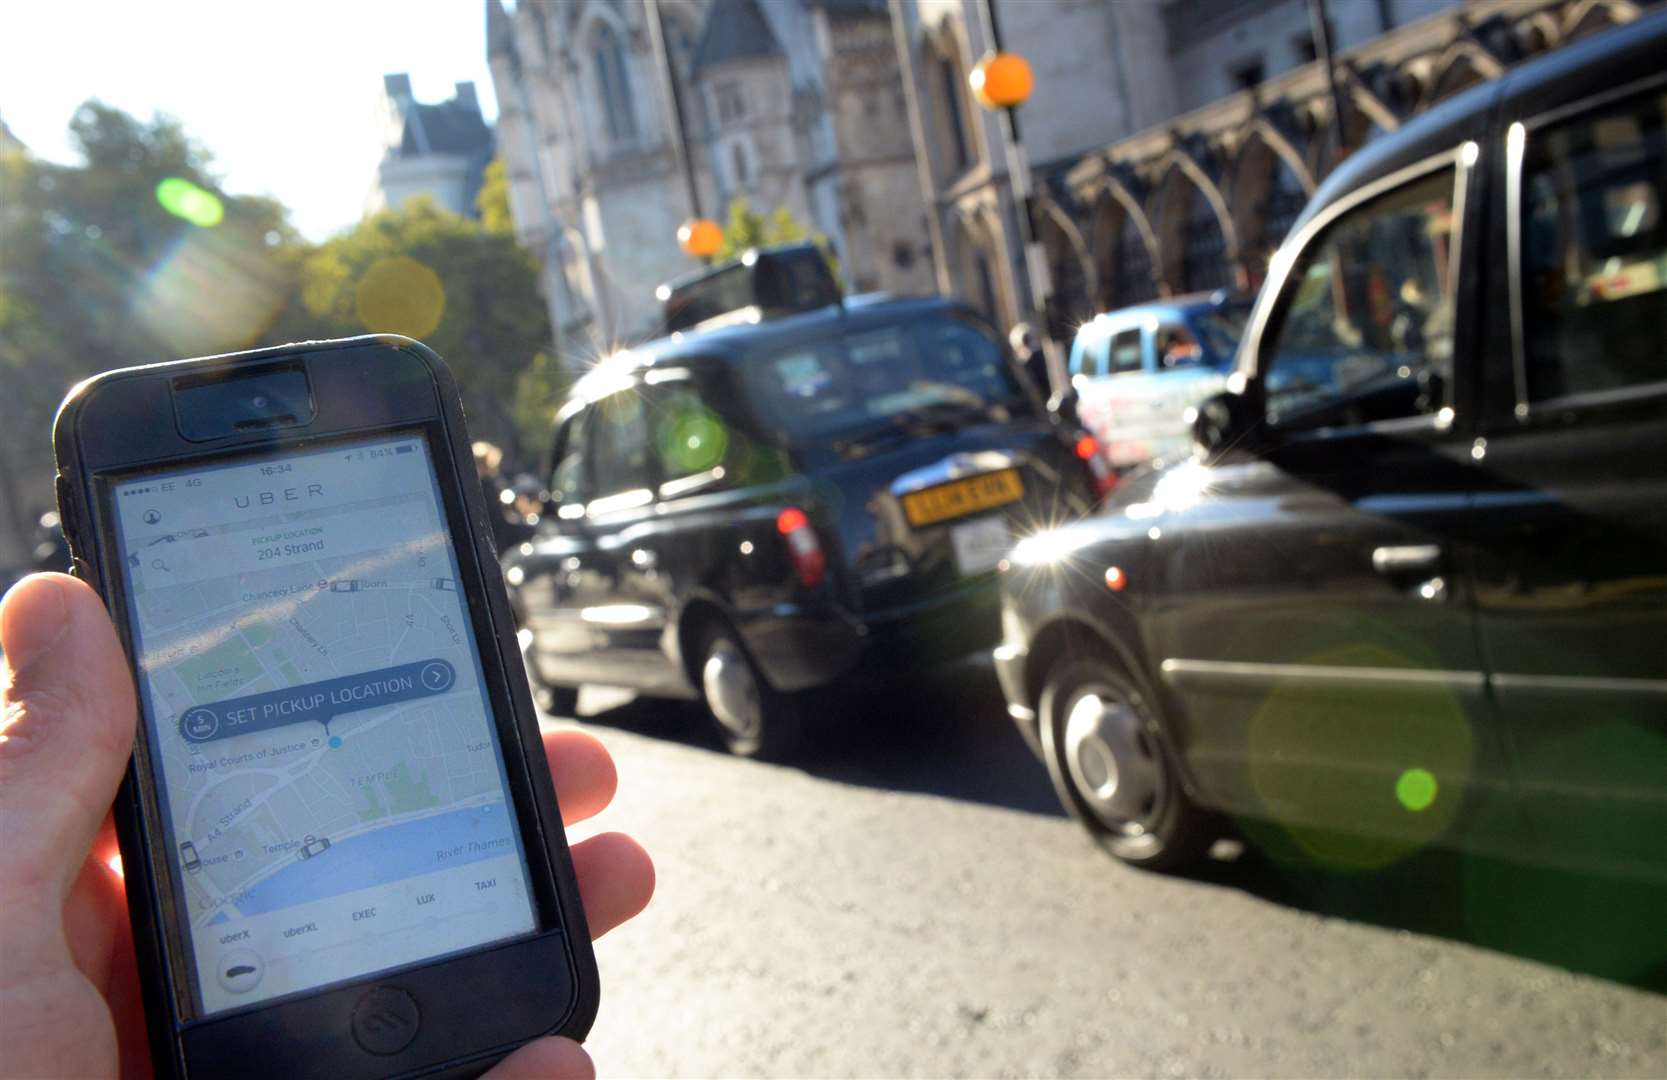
x: 1413, y: 590
x: 758, y: 506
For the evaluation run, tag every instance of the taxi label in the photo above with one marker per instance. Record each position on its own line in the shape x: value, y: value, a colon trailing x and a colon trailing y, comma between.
x: 962, y: 497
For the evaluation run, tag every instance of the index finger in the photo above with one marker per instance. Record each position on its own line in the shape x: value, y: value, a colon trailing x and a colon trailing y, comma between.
x: 583, y: 772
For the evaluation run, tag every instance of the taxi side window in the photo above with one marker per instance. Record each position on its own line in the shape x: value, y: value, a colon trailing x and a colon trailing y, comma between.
x: 621, y: 454
x: 1126, y: 352
x: 1594, y: 250
x: 691, y: 440
x: 567, y: 479
x: 1366, y: 327
x: 1177, y: 347
x: 1088, y: 357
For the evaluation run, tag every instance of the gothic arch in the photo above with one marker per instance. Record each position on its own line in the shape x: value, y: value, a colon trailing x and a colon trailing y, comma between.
x: 1537, y: 33
x: 1590, y: 16
x: 604, y: 46
x: 1372, y: 109
x: 1069, y: 266
x: 1462, y: 65
x: 1197, y: 242
x: 1271, y: 185
x: 1122, y: 248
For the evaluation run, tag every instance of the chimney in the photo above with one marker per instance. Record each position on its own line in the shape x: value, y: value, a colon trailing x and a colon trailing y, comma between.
x: 465, y: 97
x: 397, y: 86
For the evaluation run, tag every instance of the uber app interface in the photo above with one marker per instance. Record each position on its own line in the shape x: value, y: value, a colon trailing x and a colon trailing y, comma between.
x: 330, y: 774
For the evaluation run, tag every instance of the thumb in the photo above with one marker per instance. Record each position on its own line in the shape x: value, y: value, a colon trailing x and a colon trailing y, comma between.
x: 553, y: 1058
x: 65, y: 736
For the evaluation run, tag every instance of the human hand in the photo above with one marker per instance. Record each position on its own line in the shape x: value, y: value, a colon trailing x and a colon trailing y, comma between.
x: 69, y: 989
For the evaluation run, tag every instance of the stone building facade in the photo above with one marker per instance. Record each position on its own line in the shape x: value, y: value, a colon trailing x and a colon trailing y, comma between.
x: 788, y: 103
x: 1211, y: 124
x: 439, y: 150
x: 1101, y: 74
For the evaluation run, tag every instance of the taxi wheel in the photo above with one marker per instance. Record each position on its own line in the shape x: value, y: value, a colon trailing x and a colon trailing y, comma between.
x: 1113, y: 769
x: 562, y: 701
x: 751, y: 719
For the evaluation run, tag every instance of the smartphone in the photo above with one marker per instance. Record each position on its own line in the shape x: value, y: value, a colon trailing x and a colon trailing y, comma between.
x: 342, y: 848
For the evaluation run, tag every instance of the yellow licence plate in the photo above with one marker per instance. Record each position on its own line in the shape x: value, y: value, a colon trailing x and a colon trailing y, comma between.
x: 963, y: 497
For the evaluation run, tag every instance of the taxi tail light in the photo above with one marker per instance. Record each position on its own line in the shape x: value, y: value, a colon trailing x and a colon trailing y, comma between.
x: 810, y: 562
x: 1087, y: 449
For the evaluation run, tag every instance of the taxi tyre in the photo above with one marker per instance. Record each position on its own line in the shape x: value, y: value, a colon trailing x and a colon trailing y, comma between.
x: 750, y: 718
x: 562, y: 701
x: 1113, y: 768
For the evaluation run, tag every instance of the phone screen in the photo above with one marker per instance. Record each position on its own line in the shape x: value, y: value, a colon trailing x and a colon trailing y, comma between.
x: 324, y: 747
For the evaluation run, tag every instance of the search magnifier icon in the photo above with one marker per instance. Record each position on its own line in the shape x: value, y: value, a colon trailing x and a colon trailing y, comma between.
x: 158, y: 564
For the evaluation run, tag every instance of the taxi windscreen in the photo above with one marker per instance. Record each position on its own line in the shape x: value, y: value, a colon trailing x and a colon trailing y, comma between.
x: 931, y: 370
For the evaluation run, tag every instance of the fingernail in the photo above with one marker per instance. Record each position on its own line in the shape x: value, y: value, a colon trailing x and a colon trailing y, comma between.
x: 33, y: 616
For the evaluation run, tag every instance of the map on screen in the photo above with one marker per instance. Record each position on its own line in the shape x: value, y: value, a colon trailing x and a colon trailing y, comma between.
x: 332, y: 780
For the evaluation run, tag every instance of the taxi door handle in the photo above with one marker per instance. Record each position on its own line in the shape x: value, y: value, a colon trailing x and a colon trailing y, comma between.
x: 1414, y: 567
x: 1407, y: 560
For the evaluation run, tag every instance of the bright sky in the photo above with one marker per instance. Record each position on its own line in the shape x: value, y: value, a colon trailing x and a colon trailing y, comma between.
x: 286, y: 94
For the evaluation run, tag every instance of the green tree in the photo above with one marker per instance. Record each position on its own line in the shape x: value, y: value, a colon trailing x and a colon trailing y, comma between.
x: 467, y: 291
x: 493, y: 199
x: 540, y: 390
x: 132, y: 255
x: 747, y: 228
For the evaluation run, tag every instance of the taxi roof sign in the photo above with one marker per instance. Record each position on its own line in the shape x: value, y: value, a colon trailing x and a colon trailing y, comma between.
x: 769, y: 281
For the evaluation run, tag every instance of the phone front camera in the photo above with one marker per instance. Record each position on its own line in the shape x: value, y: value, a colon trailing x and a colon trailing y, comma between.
x: 260, y: 401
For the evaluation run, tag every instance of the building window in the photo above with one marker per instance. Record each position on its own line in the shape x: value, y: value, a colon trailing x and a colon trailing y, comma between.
x: 738, y: 165
x: 1248, y: 74
x: 987, y: 300
x: 613, y: 86
x: 729, y: 103
x: 949, y: 72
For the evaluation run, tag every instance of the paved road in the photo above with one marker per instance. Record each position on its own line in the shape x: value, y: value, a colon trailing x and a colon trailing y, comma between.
x: 914, y: 904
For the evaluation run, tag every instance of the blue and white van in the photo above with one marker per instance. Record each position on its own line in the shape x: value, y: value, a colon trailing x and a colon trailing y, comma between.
x: 1137, y: 371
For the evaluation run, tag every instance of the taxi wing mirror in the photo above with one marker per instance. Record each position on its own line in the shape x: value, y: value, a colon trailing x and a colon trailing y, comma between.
x: 1227, y: 421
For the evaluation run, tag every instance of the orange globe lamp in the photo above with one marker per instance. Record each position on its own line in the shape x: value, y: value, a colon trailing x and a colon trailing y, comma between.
x: 1001, y: 80
x: 700, y: 237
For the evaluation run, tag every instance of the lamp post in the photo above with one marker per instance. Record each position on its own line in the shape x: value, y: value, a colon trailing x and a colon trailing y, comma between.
x: 1320, y: 27
x: 1002, y: 81
x: 699, y: 236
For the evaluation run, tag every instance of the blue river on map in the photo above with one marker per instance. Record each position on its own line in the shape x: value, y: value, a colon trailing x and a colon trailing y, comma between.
x: 387, y: 855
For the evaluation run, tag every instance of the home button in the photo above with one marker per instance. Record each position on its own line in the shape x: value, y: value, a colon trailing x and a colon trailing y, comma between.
x: 386, y: 1020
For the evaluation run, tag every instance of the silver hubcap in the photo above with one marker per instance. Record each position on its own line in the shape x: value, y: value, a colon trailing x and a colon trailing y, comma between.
x: 731, y: 691
x: 1112, y: 760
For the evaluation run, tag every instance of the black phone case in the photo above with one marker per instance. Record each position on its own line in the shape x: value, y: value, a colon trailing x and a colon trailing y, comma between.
x: 477, y: 973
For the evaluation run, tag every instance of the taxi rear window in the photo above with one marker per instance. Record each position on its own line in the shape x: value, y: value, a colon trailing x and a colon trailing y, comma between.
x: 815, y: 390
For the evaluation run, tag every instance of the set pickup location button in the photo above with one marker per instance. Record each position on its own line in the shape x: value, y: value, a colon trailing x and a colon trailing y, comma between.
x: 319, y: 702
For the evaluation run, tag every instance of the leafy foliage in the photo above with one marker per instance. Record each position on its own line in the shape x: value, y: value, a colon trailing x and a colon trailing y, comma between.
x: 540, y: 390
x: 747, y: 228
x: 493, y: 199
x: 96, y: 274
x: 101, y: 268
x: 466, y: 291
